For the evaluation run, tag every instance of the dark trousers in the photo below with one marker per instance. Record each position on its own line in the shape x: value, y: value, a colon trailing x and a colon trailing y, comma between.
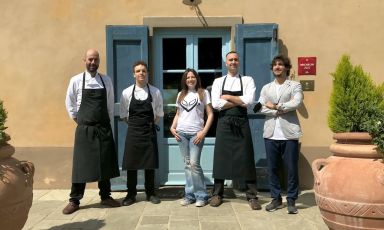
x: 288, y: 150
x: 251, y: 193
x: 77, y: 191
x: 149, y: 183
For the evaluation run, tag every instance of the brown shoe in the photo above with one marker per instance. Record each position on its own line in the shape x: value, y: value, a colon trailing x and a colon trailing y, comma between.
x: 110, y: 202
x: 216, y: 201
x: 70, y: 208
x: 254, y: 204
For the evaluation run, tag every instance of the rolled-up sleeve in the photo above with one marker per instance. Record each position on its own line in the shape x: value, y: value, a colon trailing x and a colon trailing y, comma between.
x: 124, y: 104
x: 249, y: 91
x: 217, y: 102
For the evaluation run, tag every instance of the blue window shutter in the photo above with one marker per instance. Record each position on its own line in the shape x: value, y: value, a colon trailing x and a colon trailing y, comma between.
x: 256, y: 45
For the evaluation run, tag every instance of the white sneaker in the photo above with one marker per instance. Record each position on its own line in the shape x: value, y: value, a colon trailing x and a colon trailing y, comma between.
x: 201, y: 203
x: 185, y: 202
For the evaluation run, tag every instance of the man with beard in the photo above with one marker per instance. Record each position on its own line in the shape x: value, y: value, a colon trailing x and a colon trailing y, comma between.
x: 90, y: 102
x: 233, y: 154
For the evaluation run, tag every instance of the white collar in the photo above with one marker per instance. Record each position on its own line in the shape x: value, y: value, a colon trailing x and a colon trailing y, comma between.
x: 230, y: 75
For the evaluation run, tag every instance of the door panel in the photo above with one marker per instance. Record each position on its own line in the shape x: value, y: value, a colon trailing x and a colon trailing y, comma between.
x: 257, y: 45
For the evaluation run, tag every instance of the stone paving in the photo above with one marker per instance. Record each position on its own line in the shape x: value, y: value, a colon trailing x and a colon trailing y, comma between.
x: 233, y: 214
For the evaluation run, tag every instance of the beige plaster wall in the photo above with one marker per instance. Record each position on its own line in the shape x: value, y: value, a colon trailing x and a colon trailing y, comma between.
x: 42, y: 43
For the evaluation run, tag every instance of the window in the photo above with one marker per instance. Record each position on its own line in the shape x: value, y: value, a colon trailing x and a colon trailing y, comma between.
x: 195, y: 49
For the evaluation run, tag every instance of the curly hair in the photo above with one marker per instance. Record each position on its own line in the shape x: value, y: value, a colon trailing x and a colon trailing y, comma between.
x: 285, y: 60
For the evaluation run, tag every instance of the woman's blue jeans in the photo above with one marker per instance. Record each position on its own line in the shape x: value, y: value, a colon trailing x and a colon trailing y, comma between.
x: 195, y: 188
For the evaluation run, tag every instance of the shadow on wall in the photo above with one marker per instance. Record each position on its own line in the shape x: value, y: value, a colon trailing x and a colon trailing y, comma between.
x: 303, y: 111
x: 283, y: 48
x: 305, y: 172
x: 53, y: 166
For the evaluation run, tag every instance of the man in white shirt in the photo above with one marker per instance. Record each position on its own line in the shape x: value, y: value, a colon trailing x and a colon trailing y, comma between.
x: 89, y: 102
x: 141, y: 106
x: 280, y: 99
x: 233, y: 154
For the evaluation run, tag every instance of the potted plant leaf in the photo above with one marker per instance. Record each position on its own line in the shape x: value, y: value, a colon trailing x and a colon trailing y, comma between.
x: 349, y: 185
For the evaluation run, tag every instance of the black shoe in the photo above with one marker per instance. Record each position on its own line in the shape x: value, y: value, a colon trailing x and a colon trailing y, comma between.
x: 275, y: 204
x: 110, y: 202
x: 291, y: 207
x: 153, y: 199
x: 128, y: 200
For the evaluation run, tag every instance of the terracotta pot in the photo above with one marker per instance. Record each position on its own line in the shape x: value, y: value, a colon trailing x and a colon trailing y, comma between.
x: 16, y: 179
x: 349, y: 186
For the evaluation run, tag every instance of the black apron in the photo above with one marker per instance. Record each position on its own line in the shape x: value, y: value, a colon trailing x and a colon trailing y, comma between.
x: 233, y: 156
x: 141, y: 150
x: 94, y: 155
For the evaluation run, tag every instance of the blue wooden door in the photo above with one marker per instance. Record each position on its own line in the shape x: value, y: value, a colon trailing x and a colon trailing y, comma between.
x: 257, y: 45
x: 175, y: 50
x: 125, y: 45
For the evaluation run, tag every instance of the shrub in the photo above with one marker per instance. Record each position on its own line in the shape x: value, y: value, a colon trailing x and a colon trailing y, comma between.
x: 3, y: 118
x: 355, y: 99
x: 356, y: 103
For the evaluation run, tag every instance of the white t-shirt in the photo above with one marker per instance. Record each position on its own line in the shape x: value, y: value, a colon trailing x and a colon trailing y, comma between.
x: 191, y: 112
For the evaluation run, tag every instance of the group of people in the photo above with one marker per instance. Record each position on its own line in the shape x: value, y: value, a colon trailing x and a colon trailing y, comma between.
x: 90, y: 103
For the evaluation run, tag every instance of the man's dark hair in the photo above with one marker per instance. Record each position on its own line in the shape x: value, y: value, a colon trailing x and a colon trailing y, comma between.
x: 139, y: 63
x: 285, y: 60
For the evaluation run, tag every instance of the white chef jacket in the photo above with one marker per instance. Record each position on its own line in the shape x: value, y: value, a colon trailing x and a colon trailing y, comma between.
x: 141, y: 94
x: 233, y: 84
x: 74, y: 92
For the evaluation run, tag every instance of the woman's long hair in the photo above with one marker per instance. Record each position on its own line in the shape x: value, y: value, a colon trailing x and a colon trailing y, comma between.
x: 184, y: 87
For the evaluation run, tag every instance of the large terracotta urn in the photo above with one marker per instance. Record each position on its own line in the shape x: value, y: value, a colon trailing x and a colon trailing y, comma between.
x: 16, y: 179
x: 349, y: 186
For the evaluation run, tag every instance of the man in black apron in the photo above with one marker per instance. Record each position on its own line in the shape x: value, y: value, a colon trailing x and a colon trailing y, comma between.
x: 233, y: 154
x: 141, y: 105
x: 90, y: 104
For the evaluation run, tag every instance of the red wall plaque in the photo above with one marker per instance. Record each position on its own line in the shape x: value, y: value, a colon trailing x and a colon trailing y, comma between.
x: 306, y: 66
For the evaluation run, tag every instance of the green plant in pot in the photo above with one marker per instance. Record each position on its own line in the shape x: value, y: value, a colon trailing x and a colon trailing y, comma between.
x: 349, y: 185
x: 356, y: 103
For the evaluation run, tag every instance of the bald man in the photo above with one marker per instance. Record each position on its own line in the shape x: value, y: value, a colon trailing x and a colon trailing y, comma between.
x: 90, y: 102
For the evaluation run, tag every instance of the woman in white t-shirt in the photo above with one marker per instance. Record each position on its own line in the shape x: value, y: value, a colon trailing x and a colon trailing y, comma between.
x: 189, y: 130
